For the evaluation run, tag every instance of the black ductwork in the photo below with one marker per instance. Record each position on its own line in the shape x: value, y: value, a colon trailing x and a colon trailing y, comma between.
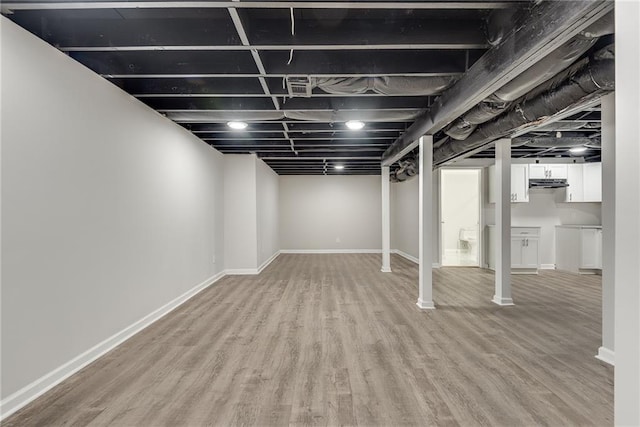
x: 554, y: 63
x: 549, y: 142
x: 586, y: 80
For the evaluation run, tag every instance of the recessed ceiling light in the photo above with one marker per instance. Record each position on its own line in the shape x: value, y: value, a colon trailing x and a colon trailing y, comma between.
x: 578, y: 149
x: 339, y: 167
x: 237, y: 125
x: 355, y: 124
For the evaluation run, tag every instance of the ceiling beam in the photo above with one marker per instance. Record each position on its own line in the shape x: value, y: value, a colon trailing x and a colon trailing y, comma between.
x: 276, y: 75
x: 299, y: 47
x: 546, y: 27
x: 69, y: 5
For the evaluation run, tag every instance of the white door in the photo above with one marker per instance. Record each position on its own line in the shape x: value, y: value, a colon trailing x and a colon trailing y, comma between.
x: 590, y: 242
x: 517, y: 245
x: 593, y: 182
x: 460, y: 216
x: 537, y: 171
x: 520, y: 183
x: 530, y: 253
x: 575, y: 190
x: 557, y: 171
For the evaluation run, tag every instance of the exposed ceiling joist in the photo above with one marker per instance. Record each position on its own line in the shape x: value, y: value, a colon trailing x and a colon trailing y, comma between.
x: 8, y: 7
x: 548, y: 26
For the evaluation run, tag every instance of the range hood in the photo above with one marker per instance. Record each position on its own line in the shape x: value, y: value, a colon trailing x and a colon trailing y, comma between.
x: 548, y: 183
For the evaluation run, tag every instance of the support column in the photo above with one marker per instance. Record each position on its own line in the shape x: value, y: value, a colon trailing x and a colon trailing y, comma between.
x: 627, y: 215
x: 503, y: 223
x: 606, y: 350
x: 425, y: 224
x: 386, y: 222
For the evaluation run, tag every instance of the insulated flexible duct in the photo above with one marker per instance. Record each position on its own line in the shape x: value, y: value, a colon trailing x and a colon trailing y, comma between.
x: 592, y: 80
x: 549, y: 66
x: 384, y: 85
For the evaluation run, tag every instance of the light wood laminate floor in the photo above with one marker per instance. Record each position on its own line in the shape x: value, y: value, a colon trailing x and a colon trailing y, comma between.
x: 330, y: 340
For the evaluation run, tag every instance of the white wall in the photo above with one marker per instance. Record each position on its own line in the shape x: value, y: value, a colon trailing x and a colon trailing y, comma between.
x: 546, y: 209
x: 109, y: 210
x: 405, y: 213
x: 268, y: 202
x: 240, y: 212
x: 330, y: 212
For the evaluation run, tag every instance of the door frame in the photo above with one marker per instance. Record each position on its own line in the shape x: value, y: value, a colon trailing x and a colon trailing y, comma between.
x: 481, y: 196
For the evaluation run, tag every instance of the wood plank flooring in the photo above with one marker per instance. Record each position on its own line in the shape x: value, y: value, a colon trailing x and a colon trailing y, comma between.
x: 330, y: 340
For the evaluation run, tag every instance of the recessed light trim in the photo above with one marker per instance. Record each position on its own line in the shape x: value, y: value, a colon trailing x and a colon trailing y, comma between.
x: 354, y: 124
x: 577, y: 150
x: 339, y: 167
x: 237, y: 125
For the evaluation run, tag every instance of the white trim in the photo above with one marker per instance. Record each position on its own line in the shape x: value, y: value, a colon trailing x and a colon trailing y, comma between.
x: 502, y: 301
x: 267, y: 262
x: 385, y: 270
x: 547, y: 266
x: 405, y: 255
x: 27, y: 394
x: 607, y: 356
x: 331, y: 251
x: 426, y: 305
x: 241, y: 271
x: 412, y: 258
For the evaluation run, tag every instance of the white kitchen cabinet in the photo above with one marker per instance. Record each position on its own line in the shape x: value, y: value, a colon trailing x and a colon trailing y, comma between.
x: 575, y: 178
x: 591, y: 250
x: 524, y: 249
x: 548, y: 171
x: 519, y: 184
x: 593, y: 182
x: 585, y: 183
x: 579, y: 248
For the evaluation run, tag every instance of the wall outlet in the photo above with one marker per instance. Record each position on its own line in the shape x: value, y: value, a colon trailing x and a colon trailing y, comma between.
x: 337, y: 240
x: 213, y: 259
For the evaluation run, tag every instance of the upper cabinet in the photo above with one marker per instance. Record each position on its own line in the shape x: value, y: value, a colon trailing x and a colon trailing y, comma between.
x: 548, y: 171
x: 584, y: 179
x: 519, y: 184
x: 585, y: 183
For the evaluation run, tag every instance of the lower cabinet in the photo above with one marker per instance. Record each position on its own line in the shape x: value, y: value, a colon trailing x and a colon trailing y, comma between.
x: 579, y: 249
x: 525, y: 243
x: 524, y: 253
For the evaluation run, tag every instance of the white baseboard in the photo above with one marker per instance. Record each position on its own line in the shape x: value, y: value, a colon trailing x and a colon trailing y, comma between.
x: 331, y: 251
x: 405, y: 255
x: 547, y: 266
x: 267, y: 262
x: 27, y: 394
x: 607, y: 356
x: 426, y: 305
x: 502, y: 301
x: 412, y: 258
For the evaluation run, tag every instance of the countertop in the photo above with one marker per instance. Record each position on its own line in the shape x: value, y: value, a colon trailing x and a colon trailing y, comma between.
x: 580, y: 226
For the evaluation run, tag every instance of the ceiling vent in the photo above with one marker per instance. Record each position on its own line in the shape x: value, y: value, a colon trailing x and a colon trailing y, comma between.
x: 299, y: 86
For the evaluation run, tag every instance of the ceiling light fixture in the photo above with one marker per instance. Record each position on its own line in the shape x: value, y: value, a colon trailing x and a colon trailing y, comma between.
x: 576, y: 150
x: 339, y: 167
x: 237, y: 125
x: 355, y: 124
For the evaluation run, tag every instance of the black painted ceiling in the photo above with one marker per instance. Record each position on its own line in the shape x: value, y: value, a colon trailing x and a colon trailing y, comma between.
x: 203, y: 64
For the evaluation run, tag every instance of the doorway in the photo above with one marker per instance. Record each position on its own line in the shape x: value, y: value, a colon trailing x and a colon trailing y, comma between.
x: 460, y: 217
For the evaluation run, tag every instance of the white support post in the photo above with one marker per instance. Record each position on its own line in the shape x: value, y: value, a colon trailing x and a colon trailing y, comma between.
x: 503, y: 223
x: 627, y: 215
x: 425, y: 224
x: 606, y: 350
x: 386, y: 222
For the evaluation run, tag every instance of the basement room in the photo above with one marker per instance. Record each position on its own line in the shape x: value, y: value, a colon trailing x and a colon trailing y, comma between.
x: 291, y: 213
